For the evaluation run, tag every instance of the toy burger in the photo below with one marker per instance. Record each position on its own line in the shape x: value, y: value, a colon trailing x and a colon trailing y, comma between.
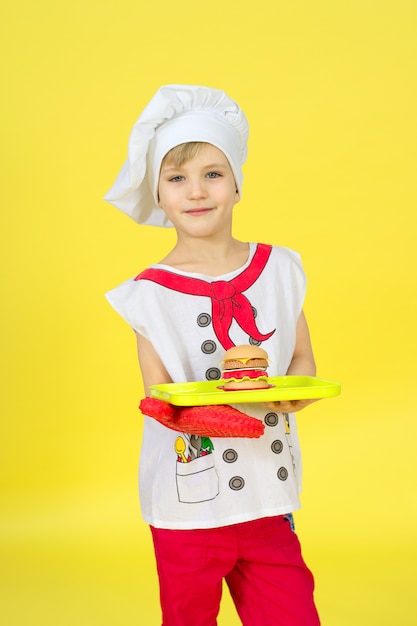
x: 244, y: 367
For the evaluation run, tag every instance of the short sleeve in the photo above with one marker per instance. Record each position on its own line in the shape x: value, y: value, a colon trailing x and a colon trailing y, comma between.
x: 126, y: 300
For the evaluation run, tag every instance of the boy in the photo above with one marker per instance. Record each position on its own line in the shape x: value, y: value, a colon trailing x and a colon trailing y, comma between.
x: 218, y: 508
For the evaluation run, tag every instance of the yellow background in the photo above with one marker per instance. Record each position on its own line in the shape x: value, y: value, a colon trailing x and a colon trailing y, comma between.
x: 329, y: 88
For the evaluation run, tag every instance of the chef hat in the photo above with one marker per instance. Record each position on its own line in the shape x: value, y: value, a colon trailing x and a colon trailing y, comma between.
x: 176, y: 114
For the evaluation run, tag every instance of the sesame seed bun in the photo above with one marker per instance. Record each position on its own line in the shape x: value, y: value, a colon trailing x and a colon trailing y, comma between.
x: 244, y: 367
x: 245, y: 352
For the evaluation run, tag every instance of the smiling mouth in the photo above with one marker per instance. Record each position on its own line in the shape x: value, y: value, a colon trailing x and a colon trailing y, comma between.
x: 199, y: 211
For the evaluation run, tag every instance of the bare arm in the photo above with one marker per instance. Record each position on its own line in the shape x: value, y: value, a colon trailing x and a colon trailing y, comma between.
x: 151, y: 366
x: 302, y: 364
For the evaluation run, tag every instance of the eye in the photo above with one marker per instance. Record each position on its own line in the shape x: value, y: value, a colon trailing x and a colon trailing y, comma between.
x: 176, y: 179
x: 213, y: 175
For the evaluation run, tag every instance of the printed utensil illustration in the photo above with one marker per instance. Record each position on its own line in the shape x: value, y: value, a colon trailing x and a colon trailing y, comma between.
x: 180, y: 448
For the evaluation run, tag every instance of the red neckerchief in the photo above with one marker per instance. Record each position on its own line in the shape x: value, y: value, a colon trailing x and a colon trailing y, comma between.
x: 227, y: 299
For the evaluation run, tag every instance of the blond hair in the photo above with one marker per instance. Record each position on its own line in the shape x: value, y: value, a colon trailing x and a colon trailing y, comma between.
x: 182, y: 153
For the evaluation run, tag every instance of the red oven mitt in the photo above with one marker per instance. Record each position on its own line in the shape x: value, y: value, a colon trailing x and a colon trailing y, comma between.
x: 206, y: 421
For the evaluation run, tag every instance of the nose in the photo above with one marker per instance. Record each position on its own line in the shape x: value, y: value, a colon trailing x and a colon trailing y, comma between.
x: 196, y: 189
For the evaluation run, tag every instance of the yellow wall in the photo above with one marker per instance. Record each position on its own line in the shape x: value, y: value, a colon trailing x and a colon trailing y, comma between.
x: 329, y: 88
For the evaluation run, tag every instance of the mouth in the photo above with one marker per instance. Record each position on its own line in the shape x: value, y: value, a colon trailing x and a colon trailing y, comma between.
x: 198, y: 211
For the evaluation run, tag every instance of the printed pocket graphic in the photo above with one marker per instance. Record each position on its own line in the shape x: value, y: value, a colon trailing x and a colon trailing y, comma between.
x: 197, y: 481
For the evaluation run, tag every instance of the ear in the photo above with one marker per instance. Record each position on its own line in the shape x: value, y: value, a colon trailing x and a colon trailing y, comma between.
x: 237, y: 196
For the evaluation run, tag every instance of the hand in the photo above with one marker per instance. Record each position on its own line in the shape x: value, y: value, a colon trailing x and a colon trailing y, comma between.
x: 289, y: 406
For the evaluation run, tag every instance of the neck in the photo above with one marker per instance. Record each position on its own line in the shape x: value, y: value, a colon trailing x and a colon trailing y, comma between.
x: 211, y: 257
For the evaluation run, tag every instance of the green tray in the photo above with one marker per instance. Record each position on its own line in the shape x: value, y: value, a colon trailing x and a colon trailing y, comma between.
x: 282, y: 388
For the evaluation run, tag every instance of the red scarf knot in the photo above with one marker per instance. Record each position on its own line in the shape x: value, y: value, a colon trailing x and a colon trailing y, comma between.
x: 222, y: 290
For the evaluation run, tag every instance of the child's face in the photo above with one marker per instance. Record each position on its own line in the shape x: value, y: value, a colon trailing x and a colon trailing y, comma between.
x: 198, y: 196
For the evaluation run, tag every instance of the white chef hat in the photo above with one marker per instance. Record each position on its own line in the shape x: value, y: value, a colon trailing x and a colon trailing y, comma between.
x: 176, y: 114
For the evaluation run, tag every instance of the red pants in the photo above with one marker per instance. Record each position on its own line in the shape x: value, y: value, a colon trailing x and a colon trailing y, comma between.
x: 261, y: 562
